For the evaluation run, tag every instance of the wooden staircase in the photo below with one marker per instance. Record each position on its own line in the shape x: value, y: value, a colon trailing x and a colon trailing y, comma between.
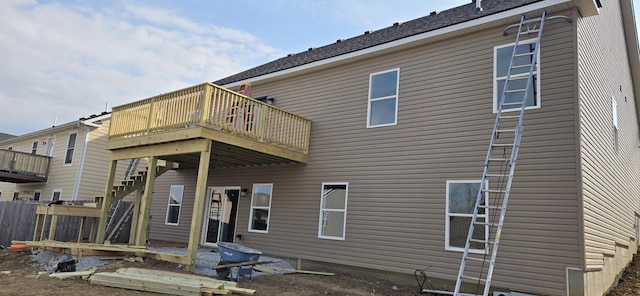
x: 131, y: 183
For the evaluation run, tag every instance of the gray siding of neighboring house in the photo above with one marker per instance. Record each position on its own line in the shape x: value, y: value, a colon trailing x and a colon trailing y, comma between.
x: 610, y: 174
x: 397, y: 174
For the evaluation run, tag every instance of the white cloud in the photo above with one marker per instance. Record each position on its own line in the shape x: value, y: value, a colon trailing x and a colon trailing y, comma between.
x: 67, y: 61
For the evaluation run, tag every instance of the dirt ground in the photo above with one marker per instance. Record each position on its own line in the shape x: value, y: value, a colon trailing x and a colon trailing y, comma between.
x: 343, y: 283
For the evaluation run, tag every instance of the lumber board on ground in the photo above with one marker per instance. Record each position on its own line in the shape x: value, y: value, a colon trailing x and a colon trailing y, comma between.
x: 119, y: 249
x: 74, y: 274
x: 265, y: 269
x: 303, y: 271
x: 244, y: 264
x: 166, y: 282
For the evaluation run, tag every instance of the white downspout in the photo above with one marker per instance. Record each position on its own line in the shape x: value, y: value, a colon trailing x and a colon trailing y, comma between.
x: 76, y: 187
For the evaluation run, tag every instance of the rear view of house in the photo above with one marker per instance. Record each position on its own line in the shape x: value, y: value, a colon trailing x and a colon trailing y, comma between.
x: 369, y: 152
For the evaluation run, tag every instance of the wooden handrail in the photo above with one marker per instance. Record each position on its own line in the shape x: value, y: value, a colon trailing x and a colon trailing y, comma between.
x: 24, y: 163
x: 211, y: 106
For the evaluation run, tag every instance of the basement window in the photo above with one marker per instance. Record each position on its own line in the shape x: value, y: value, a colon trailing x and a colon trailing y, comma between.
x: 174, y: 205
x: 461, y: 201
x: 333, y: 211
x: 260, y: 208
x: 56, y: 194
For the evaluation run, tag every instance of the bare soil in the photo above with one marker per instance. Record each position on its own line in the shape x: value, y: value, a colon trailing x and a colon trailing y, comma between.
x: 21, y: 282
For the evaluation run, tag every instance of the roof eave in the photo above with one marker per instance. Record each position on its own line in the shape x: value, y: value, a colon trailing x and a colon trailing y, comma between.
x: 92, y: 122
x: 633, y: 50
x: 587, y: 7
x: 435, y: 34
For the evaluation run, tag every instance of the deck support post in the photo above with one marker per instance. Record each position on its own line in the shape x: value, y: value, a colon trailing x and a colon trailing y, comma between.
x: 198, y: 206
x: 106, y: 201
x: 135, y: 215
x: 145, y: 204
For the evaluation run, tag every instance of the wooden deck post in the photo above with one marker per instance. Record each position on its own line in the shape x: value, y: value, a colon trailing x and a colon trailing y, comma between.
x: 106, y: 201
x: 145, y: 204
x: 134, y: 216
x: 198, y: 206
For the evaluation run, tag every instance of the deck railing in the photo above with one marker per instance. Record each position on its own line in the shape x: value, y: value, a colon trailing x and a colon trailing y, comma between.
x: 24, y: 163
x: 211, y: 106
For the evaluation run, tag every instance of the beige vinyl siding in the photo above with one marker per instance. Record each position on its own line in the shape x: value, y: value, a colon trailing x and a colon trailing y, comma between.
x: 611, y: 186
x: 5, y: 188
x: 397, y: 174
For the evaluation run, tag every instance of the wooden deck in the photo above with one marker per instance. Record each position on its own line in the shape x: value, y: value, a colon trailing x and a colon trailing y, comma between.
x: 21, y: 167
x: 176, y: 123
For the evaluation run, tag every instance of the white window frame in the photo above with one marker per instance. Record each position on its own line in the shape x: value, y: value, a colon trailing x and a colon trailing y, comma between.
x: 614, y: 113
x: 36, y: 192
x: 73, y: 149
x: 251, y: 212
x: 53, y: 194
x: 448, y: 247
x: 396, y: 97
x: 322, y: 218
x: 536, y: 73
x: 49, y: 146
x: 34, y: 147
x: 170, y: 205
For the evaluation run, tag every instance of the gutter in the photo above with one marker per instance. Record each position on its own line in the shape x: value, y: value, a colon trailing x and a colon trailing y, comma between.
x: 468, y: 25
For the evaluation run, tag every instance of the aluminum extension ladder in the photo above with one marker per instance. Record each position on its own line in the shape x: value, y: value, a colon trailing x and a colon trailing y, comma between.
x: 501, y: 160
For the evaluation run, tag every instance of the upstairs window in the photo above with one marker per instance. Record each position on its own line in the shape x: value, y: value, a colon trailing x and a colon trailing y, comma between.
x: 519, y: 73
x: 383, y: 98
x: 34, y: 147
x: 260, y: 208
x: 71, y: 146
x: 333, y: 211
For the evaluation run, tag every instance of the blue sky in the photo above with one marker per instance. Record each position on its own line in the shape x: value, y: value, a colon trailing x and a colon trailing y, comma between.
x: 67, y: 59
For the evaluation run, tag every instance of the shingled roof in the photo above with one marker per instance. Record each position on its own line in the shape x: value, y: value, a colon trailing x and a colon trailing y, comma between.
x: 4, y: 136
x: 398, y: 31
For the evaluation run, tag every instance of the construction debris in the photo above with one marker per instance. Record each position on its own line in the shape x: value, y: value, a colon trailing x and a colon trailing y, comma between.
x: 73, y: 275
x: 165, y: 282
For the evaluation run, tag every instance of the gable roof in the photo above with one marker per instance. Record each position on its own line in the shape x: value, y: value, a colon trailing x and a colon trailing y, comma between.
x: 93, y: 120
x: 434, y: 21
x: 4, y: 136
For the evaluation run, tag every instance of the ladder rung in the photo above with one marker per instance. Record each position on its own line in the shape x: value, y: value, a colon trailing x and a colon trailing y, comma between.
x: 524, y: 54
x: 498, y: 159
x: 512, y: 103
x: 479, y: 241
x: 529, y: 32
x: 476, y: 259
x: 515, y: 90
x: 502, y: 145
x: 509, y: 116
x: 519, y: 77
x: 497, y: 175
x: 490, y: 207
x: 507, y: 130
x: 473, y: 278
x: 487, y: 223
x: 521, y: 66
x: 494, y: 190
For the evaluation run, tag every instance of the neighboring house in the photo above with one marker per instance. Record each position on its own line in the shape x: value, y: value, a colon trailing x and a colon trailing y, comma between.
x: 4, y: 136
x: 64, y: 162
x: 400, y: 120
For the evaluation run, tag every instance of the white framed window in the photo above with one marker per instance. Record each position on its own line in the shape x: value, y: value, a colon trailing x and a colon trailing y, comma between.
x: 71, y: 147
x: 614, y: 113
x: 37, y: 194
x: 260, y: 208
x: 383, y: 98
x: 461, y: 200
x: 34, y: 147
x: 175, y: 203
x: 56, y: 194
x: 501, y: 58
x: 333, y: 210
x: 16, y: 195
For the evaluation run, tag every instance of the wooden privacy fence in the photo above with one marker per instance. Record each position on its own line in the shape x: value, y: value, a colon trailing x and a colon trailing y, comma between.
x: 18, y: 219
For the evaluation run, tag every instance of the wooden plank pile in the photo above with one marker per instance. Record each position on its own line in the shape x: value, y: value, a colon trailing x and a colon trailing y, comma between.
x: 165, y: 282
